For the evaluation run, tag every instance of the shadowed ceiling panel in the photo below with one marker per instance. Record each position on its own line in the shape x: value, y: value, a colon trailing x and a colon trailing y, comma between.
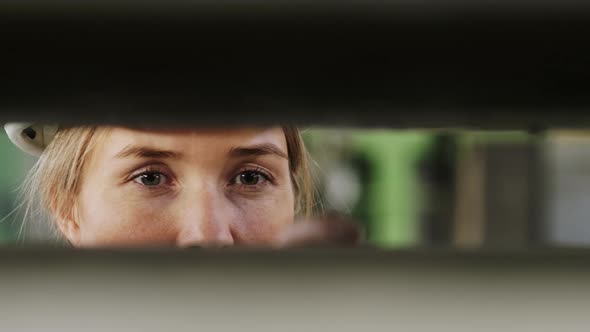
x: 361, y: 63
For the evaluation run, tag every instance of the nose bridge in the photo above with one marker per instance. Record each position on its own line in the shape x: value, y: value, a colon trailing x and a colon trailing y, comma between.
x: 205, y: 221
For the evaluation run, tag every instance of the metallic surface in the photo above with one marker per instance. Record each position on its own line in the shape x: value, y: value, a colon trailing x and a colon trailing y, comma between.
x: 300, y: 290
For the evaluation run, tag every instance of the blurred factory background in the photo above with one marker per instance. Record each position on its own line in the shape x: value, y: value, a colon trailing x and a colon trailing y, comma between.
x: 408, y: 188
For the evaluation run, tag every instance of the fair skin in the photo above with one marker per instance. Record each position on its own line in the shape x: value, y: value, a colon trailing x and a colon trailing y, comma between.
x: 185, y: 188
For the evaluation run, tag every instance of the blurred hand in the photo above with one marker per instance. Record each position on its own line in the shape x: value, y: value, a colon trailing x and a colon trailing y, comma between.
x: 329, y: 230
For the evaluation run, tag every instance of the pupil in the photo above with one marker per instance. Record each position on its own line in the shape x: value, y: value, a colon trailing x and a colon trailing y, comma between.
x: 250, y: 178
x: 150, y: 179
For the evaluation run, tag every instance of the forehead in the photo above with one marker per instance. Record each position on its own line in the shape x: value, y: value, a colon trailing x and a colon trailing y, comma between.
x: 189, y: 141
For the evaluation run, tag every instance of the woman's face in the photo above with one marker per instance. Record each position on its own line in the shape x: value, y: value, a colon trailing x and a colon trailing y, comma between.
x: 184, y: 188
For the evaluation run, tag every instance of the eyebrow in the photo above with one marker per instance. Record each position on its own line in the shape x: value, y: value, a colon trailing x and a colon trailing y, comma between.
x: 258, y: 150
x: 145, y: 152
x: 240, y: 151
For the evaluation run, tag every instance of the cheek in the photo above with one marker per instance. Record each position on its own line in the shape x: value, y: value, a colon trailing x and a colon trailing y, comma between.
x: 122, y: 217
x: 116, y: 218
x: 260, y: 219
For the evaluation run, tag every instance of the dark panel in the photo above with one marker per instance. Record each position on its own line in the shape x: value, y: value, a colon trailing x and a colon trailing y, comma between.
x: 395, y: 63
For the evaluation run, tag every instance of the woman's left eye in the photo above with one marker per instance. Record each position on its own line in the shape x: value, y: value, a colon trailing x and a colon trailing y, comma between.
x: 250, y: 178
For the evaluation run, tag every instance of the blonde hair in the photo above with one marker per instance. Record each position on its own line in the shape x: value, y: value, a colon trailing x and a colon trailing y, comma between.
x: 54, y: 183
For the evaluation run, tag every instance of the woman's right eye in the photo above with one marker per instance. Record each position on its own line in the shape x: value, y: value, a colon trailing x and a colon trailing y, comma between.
x: 150, y: 179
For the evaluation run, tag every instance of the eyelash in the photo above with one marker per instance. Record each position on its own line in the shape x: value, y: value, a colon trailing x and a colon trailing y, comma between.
x: 150, y: 170
x: 268, y: 177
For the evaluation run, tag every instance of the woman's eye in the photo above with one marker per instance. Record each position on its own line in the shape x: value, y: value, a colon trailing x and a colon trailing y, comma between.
x: 250, y: 178
x: 151, y: 179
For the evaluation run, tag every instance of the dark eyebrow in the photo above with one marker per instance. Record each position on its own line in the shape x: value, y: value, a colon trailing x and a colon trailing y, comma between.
x: 145, y: 152
x: 258, y: 150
